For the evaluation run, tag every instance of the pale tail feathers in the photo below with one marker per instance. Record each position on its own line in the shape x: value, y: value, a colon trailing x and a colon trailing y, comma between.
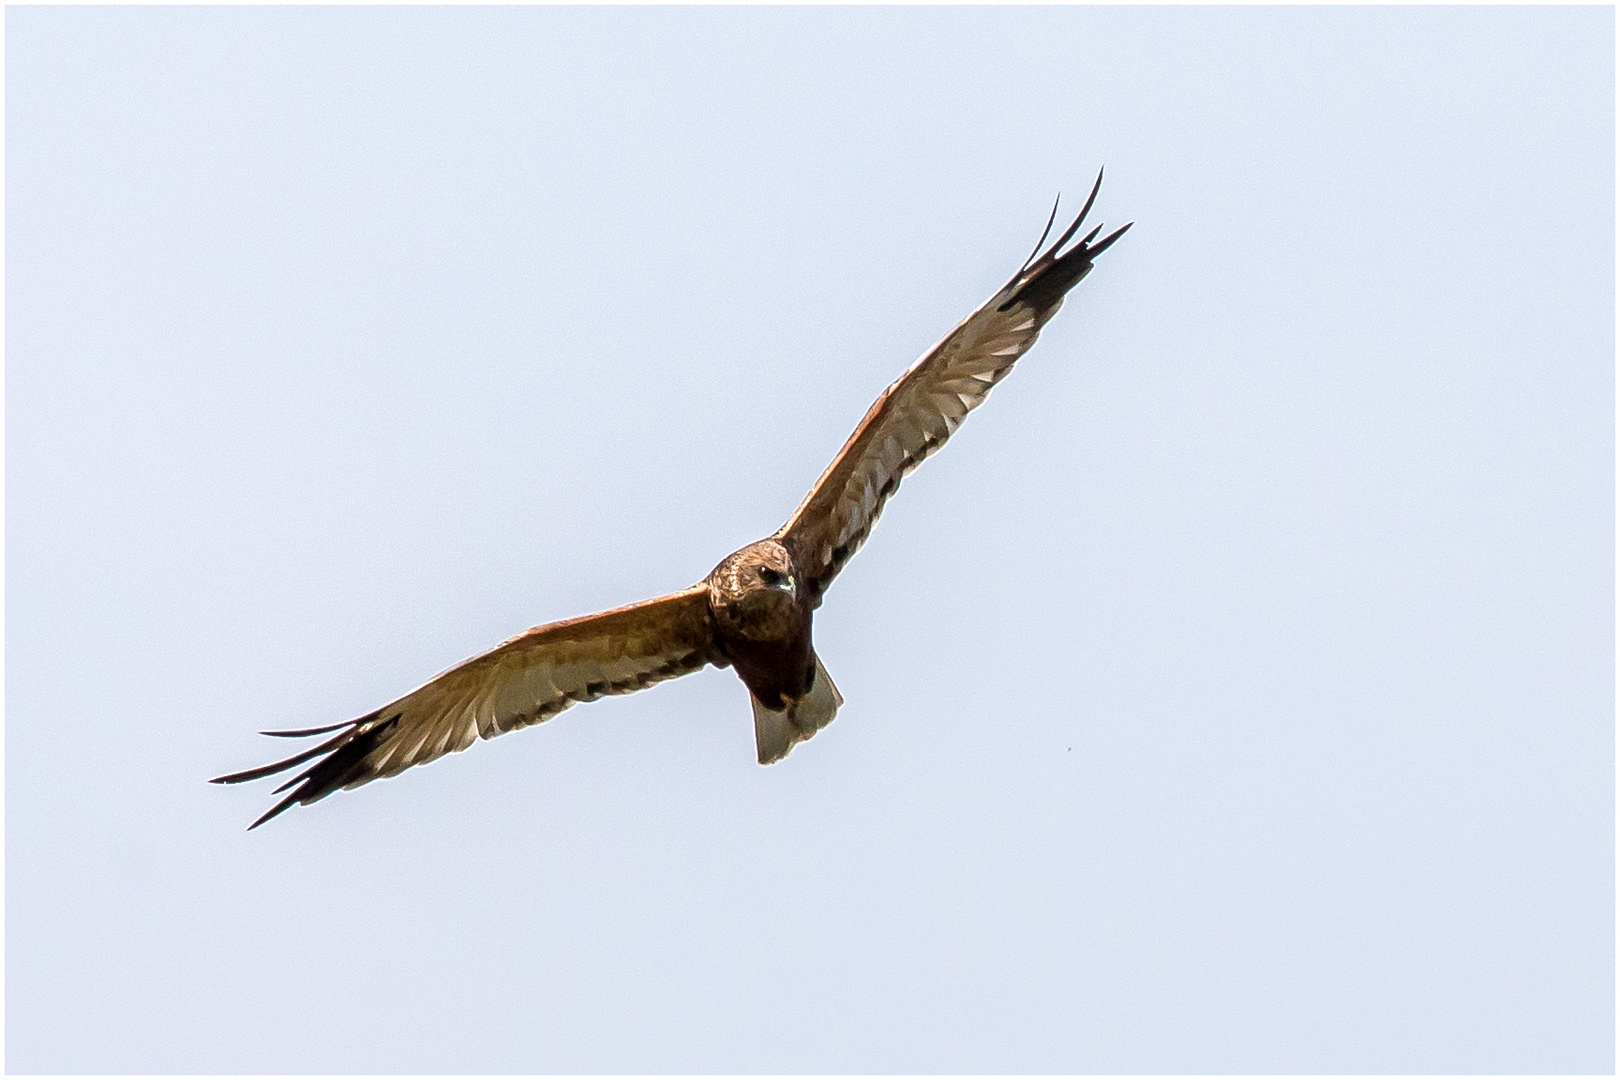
x: 776, y: 732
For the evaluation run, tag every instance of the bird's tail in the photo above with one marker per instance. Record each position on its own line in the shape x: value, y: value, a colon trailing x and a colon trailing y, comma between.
x: 776, y: 731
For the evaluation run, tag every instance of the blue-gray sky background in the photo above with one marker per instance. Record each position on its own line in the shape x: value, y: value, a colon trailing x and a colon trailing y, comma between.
x: 1234, y: 693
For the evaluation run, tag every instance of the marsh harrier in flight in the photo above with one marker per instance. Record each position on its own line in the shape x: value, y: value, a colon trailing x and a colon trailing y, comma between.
x: 752, y: 612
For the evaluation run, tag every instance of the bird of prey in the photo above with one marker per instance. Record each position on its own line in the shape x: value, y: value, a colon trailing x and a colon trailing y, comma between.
x: 752, y: 612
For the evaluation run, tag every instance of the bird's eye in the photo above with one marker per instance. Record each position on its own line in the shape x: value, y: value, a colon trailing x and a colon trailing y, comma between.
x: 769, y: 576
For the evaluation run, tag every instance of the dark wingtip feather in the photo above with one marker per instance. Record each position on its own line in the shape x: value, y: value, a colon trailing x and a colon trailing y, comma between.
x: 1096, y: 187
x: 1044, y: 233
x: 303, y: 732
x: 273, y: 811
x: 1106, y: 242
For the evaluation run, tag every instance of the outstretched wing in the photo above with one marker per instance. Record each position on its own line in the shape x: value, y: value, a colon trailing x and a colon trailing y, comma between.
x: 530, y: 678
x: 915, y: 416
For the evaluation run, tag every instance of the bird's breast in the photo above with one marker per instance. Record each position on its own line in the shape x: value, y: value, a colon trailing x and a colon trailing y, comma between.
x: 776, y: 670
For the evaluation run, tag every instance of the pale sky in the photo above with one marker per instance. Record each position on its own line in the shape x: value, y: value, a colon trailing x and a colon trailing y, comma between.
x: 1234, y: 693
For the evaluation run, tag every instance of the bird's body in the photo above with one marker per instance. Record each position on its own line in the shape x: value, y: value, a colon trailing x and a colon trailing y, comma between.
x: 762, y: 623
x: 752, y: 613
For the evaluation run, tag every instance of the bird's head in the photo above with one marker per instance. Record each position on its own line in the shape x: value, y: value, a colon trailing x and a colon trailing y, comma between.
x: 756, y: 589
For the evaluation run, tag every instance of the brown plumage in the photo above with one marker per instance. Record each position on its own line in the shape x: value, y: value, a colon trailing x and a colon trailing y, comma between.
x: 753, y: 611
